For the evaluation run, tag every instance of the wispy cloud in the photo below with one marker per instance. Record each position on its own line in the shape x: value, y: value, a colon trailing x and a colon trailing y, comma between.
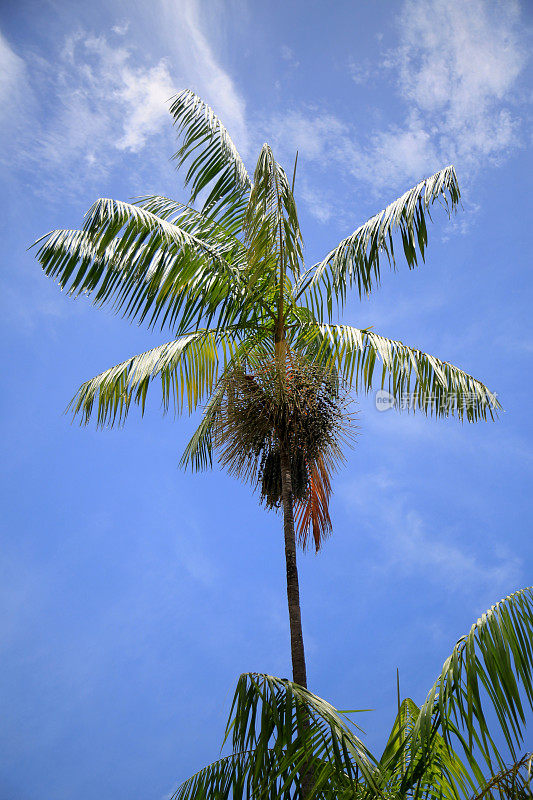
x: 14, y: 85
x: 287, y: 54
x: 106, y: 99
x: 100, y: 101
x: 409, y: 545
x: 203, y: 68
x: 457, y: 65
x: 455, y: 70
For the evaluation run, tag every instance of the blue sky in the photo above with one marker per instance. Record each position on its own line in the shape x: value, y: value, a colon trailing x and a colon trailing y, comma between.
x: 134, y: 594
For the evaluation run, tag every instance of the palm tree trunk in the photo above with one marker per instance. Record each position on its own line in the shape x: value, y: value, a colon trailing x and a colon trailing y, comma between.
x: 293, y: 596
x: 293, y: 591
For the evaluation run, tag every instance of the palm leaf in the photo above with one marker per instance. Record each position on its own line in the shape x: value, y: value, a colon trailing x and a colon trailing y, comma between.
x: 212, y: 160
x: 356, y: 259
x: 423, y: 770
x: 272, y: 231
x: 485, y: 669
x: 187, y: 367
x: 305, y: 728
x: 153, y: 267
x: 415, y: 379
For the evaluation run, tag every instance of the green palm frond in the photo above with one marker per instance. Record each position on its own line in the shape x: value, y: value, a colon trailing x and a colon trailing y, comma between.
x: 486, y: 669
x: 212, y: 160
x: 187, y: 367
x: 356, y: 259
x: 302, y: 726
x: 197, y: 223
x: 280, y: 731
x: 416, y: 380
x: 152, y: 268
x: 240, y: 775
x: 199, y: 451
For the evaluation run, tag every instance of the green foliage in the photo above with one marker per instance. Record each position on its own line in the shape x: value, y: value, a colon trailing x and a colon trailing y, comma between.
x: 278, y: 730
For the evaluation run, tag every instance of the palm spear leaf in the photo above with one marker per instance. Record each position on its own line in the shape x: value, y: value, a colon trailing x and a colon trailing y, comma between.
x: 415, y: 379
x: 485, y: 668
x: 212, y: 159
x: 356, y: 259
x: 272, y: 231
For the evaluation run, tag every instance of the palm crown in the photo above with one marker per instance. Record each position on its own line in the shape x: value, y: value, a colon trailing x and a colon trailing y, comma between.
x: 229, y: 281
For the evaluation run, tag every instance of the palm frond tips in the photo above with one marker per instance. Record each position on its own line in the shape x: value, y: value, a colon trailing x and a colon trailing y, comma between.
x: 212, y: 158
x: 284, y: 403
x: 356, y: 259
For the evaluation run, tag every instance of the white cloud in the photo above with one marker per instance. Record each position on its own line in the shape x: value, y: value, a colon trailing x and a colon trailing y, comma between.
x: 359, y: 72
x: 122, y: 29
x: 455, y: 70
x: 457, y: 66
x: 100, y: 101
x: 13, y: 83
x: 411, y: 546
x: 201, y: 64
x: 287, y: 54
x: 107, y: 99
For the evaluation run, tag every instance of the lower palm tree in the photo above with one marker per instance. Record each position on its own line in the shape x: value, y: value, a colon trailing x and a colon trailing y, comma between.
x: 229, y: 281
x: 442, y: 750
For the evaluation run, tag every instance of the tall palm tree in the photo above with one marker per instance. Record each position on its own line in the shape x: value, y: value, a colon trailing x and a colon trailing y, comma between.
x: 228, y: 280
x: 449, y: 748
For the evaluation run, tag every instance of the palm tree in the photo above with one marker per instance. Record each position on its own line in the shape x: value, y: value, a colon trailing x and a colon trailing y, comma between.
x: 229, y: 281
x: 442, y: 750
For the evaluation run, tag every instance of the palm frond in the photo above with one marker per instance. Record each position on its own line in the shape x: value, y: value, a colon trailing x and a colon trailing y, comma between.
x: 411, y: 768
x: 306, y: 729
x: 356, y: 259
x: 187, y: 367
x: 197, y: 223
x: 280, y: 731
x: 240, y: 775
x: 152, y: 268
x: 486, y: 668
x: 211, y: 158
x: 414, y: 379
